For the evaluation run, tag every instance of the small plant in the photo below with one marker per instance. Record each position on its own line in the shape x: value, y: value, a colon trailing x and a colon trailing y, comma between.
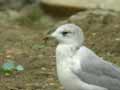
x: 9, y: 67
x: 29, y: 18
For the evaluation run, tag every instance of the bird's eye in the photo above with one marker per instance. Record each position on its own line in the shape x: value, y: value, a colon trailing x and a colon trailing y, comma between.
x: 65, y: 33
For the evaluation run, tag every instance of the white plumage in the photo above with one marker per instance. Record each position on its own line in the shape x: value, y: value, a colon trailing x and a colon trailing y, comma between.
x: 78, y: 67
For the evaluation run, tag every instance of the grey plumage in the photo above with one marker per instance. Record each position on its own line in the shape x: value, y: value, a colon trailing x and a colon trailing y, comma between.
x: 97, y: 71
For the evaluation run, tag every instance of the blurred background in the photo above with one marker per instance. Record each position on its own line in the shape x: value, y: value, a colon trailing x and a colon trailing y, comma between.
x: 27, y: 57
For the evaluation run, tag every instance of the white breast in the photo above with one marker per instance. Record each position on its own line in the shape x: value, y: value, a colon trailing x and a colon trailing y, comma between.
x: 67, y: 78
x: 64, y: 64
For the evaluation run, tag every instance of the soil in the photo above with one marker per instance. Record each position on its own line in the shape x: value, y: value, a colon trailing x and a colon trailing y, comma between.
x: 30, y: 48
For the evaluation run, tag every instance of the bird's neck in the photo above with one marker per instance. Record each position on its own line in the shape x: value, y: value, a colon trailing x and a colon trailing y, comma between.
x: 65, y: 51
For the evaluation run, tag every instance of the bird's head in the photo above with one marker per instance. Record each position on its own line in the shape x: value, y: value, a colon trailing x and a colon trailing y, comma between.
x: 69, y: 34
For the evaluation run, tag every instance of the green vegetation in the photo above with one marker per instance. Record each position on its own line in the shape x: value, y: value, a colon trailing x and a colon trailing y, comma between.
x: 30, y: 18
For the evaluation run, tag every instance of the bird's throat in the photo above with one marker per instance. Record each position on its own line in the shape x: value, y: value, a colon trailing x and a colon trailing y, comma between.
x: 63, y: 51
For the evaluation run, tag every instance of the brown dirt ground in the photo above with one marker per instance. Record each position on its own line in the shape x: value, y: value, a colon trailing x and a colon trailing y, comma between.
x: 36, y: 54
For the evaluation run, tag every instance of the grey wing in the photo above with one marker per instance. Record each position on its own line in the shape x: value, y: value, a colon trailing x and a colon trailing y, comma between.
x: 99, y: 72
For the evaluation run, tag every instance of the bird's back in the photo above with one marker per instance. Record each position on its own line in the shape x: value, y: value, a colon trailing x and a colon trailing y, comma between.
x: 94, y: 70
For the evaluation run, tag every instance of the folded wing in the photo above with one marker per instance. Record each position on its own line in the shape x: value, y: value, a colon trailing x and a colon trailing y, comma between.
x: 96, y: 71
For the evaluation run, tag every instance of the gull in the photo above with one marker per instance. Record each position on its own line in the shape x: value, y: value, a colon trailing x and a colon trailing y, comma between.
x: 78, y: 67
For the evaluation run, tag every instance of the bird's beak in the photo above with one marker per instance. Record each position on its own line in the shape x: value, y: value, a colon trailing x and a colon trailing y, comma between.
x: 46, y: 37
x: 49, y: 37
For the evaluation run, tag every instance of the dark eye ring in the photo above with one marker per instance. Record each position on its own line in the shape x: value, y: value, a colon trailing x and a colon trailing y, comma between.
x: 65, y: 33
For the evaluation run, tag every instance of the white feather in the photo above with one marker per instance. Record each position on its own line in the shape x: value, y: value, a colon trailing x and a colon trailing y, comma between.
x: 70, y: 57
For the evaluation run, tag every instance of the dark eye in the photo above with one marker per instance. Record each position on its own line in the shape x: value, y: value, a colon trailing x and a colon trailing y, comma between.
x: 65, y: 33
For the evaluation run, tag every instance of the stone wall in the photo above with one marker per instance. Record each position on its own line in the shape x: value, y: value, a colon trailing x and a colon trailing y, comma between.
x: 87, y: 4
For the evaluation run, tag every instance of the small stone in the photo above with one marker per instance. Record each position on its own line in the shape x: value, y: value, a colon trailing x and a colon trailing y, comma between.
x: 93, y: 34
x: 51, y: 84
x: 117, y: 39
x: 19, y: 68
x: 43, y: 68
x: 85, y: 4
x: 7, y: 74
